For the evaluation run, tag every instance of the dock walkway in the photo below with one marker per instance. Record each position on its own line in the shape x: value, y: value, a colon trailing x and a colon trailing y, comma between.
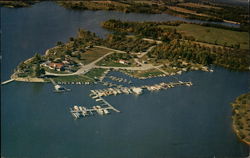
x: 109, y: 105
x: 53, y: 82
x: 8, y: 81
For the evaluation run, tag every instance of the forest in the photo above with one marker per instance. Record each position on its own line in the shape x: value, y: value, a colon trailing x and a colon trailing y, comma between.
x: 175, y: 45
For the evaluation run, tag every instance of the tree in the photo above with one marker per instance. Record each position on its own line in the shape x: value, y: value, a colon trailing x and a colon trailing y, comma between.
x: 39, y: 71
x: 59, y: 43
x: 165, y: 39
x: 21, y: 66
x: 37, y: 58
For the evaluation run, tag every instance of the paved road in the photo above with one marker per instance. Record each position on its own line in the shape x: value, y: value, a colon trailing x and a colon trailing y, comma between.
x: 85, y: 68
x: 114, y: 50
x: 148, y: 50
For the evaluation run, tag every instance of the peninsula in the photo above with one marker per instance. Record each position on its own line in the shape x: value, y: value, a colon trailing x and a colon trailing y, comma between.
x: 142, y: 50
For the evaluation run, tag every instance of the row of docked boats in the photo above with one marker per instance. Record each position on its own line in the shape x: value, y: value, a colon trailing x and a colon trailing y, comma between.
x: 100, y: 110
x: 135, y: 90
x: 114, y: 91
x: 78, y: 83
x: 164, y: 85
x: 81, y: 111
x: 110, y: 84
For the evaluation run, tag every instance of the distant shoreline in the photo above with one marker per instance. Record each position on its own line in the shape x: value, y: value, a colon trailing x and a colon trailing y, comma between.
x: 241, y: 116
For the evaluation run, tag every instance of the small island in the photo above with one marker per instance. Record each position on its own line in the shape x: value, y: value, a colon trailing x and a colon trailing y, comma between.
x: 241, y: 117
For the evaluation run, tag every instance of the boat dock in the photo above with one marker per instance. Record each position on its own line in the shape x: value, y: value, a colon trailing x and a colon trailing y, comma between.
x: 57, y: 87
x: 136, y: 90
x: 117, y: 79
x: 109, y: 105
x: 8, y: 81
x: 103, y: 109
x: 105, y: 83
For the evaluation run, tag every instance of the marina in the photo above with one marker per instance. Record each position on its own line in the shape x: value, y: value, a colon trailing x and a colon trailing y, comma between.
x: 105, y: 83
x: 136, y: 90
x: 35, y: 118
x: 102, y: 109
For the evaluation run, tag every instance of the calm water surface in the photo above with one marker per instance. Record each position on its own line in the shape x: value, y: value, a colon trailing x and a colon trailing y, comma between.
x: 184, y: 122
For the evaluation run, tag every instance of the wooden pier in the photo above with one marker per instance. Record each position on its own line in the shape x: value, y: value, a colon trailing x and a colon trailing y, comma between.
x: 109, y: 105
x: 104, y: 106
x: 53, y: 82
x: 8, y: 81
x: 104, y: 101
x: 81, y: 111
x: 57, y: 87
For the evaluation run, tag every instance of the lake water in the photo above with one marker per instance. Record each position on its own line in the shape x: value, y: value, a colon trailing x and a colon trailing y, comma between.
x: 183, y: 122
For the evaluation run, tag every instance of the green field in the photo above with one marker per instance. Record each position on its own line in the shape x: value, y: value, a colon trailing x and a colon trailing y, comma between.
x: 213, y: 35
x: 88, y: 77
x: 95, y: 73
x: 111, y: 63
x: 146, y: 73
x: 93, y: 54
x: 108, y: 61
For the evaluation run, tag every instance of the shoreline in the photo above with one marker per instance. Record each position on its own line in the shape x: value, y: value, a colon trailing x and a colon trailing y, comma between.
x: 240, y: 117
x: 236, y: 131
x: 171, y: 12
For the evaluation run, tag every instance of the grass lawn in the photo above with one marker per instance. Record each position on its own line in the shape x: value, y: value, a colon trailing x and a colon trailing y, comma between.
x: 98, y: 72
x: 212, y: 35
x: 107, y: 61
x: 111, y: 63
x: 198, y: 5
x: 147, y: 73
x: 92, y: 55
x: 183, y: 10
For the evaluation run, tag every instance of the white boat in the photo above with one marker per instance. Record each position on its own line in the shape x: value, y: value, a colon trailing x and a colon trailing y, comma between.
x: 75, y: 108
x: 105, y: 111
x: 95, y: 97
x: 98, y: 99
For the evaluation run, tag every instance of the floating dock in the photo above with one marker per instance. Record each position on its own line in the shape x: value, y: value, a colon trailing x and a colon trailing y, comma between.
x: 118, y: 79
x: 103, y: 109
x: 136, y: 90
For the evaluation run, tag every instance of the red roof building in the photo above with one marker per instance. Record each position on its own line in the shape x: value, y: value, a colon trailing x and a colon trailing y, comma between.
x: 56, y: 65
